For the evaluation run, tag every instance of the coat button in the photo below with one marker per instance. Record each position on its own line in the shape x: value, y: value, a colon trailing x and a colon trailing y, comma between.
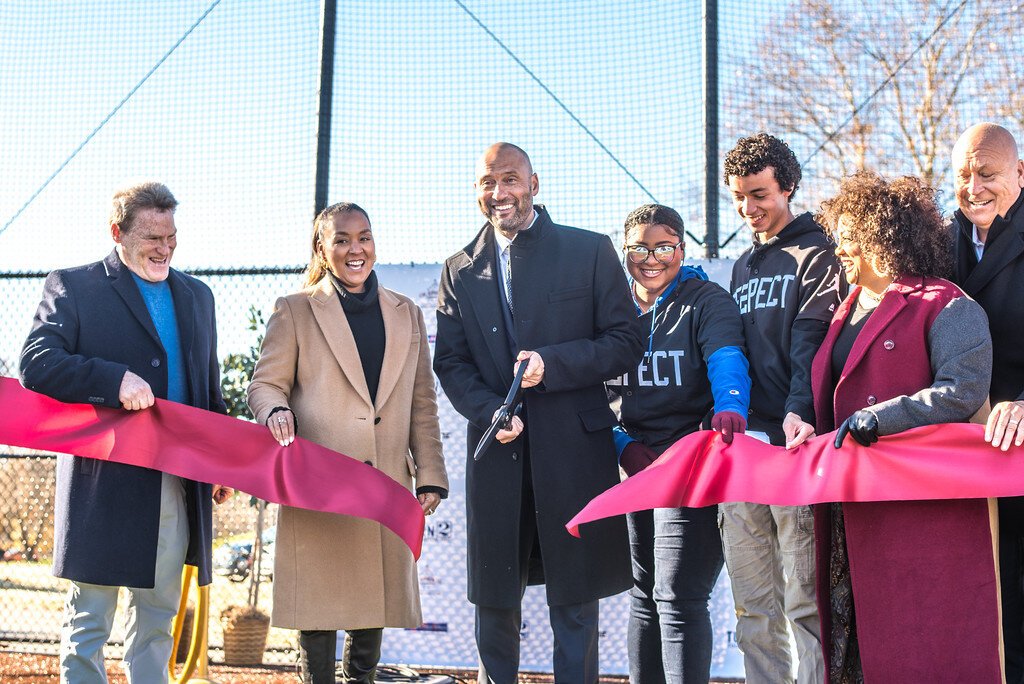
x: 376, y: 420
x: 871, y: 399
x: 155, y: 363
x: 889, y: 344
x: 515, y: 456
x: 629, y: 393
x: 494, y: 329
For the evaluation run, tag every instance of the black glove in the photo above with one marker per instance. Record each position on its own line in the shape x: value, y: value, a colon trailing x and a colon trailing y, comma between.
x: 637, y: 456
x: 862, y: 426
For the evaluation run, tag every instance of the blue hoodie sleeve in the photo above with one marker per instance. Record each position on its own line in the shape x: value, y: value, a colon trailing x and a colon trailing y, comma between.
x: 728, y: 371
x: 622, y: 439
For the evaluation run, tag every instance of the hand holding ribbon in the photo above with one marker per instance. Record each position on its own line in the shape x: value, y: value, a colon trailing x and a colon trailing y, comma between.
x: 949, y: 461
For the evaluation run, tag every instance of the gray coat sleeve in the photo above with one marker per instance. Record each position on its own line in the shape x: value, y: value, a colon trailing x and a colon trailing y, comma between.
x: 960, y: 348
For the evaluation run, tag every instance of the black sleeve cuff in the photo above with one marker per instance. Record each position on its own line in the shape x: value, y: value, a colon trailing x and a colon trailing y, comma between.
x: 431, y: 489
x: 804, y: 410
x: 295, y: 418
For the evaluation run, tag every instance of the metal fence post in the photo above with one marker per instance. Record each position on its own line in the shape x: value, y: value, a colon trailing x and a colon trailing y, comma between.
x: 709, y: 39
x: 329, y: 11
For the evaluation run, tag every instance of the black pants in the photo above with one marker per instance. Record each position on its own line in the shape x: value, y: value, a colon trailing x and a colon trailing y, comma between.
x: 677, y: 557
x: 317, y: 650
x: 575, y: 655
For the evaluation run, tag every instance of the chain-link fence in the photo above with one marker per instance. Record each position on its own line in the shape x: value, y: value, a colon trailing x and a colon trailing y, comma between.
x: 31, y: 599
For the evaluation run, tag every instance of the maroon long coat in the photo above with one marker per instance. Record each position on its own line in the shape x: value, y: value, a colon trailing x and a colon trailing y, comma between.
x: 924, y: 572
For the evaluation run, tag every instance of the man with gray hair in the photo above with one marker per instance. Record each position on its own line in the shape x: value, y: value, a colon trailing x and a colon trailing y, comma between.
x: 989, y: 266
x: 119, y: 333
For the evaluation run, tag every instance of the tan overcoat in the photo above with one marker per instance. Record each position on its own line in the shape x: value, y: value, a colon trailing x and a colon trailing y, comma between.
x: 333, y: 571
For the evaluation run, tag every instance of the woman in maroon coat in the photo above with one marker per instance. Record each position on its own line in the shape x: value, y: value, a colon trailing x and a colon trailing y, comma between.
x: 907, y: 590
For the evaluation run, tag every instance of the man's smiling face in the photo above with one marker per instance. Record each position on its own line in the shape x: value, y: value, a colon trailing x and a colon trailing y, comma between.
x: 989, y: 176
x: 147, y: 247
x: 505, y: 187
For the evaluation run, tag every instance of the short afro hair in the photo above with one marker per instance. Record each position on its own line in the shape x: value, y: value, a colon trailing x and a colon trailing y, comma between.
x: 755, y: 153
x: 896, y: 223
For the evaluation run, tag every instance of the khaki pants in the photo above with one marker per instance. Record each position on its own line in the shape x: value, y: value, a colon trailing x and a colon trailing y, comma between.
x: 769, y: 554
x: 89, y: 609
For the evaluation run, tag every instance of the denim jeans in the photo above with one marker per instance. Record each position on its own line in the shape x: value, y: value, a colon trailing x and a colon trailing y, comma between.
x: 769, y: 553
x: 677, y: 557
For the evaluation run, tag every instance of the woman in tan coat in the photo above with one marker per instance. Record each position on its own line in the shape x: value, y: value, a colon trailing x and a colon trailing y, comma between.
x: 346, y: 364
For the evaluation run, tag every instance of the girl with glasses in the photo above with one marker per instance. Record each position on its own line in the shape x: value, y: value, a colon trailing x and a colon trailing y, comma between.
x: 693, y: 365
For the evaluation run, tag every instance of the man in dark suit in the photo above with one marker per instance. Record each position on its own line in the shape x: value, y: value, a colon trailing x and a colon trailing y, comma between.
x: 529, y: 291
x: 118, y: 333
x: 989, y: 266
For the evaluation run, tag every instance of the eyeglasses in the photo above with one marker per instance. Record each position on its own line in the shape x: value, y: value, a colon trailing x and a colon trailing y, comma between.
x: 638, y: 253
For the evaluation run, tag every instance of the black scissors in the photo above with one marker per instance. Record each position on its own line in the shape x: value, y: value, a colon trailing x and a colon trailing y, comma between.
x: 503, y: 418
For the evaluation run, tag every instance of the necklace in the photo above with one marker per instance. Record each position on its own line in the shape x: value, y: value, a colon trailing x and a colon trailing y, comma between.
x: 868, y: 299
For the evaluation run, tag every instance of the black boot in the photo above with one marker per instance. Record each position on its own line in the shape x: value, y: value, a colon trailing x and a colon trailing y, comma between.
x: 317, y: 651
x: 361, y: 655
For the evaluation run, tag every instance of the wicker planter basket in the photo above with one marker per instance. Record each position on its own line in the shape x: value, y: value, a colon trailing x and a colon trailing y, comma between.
x: 245, y: 635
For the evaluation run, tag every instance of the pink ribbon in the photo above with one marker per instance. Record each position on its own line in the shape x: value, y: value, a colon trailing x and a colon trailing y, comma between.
x: 949, y: 461
x: 208, y: 447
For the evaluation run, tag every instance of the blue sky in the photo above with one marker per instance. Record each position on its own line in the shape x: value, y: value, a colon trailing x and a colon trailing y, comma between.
x: 228, y: 121
x: 421, y: 88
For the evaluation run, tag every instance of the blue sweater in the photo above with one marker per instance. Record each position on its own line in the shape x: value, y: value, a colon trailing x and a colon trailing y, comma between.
x: 160, y: 305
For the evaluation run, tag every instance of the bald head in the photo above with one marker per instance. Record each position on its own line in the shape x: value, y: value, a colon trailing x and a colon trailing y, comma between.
x: 504, y: 150
x: 986, y: 135
x: 989, y: 174
x: 505, y: 187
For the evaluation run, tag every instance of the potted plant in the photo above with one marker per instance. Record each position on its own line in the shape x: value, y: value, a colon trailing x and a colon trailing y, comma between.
x: 245, y: 627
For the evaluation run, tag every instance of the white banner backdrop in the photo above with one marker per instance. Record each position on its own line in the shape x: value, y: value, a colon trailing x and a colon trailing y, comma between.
x: 446, y: 637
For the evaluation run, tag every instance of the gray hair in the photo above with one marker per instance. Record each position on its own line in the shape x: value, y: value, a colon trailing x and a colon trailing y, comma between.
x: 130, y: 200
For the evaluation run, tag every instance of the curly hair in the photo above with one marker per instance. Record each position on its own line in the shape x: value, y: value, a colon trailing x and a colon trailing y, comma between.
x: 896, y: 223
x: 755, y: 153
x: 654, y: 214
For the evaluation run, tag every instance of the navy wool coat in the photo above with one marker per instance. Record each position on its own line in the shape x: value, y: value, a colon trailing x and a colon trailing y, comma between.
x: 91, y: 326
